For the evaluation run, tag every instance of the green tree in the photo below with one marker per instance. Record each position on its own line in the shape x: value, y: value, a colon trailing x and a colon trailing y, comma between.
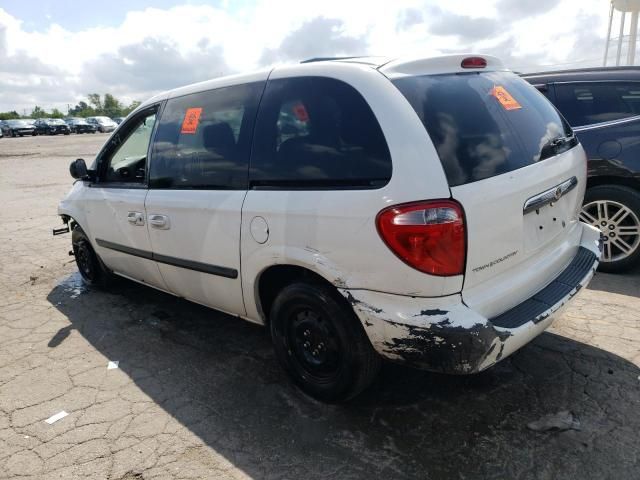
x: 9, y: 115
x: 38, y: 112
x: 111, y: 106
x: 127, y: 110
x: 96, y: 102
x: 55, y: 113
x: 108, y: 105
x: 82, y: 109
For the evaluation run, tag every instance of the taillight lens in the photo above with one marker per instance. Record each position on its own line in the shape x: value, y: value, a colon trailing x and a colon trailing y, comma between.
x: 428, y: 236
x: 473, y: 62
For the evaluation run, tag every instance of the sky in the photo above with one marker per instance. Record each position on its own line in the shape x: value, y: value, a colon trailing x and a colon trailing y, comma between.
x: 53, y: 53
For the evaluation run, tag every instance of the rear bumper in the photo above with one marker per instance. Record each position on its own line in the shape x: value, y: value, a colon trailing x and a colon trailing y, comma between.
x: 445, y: 335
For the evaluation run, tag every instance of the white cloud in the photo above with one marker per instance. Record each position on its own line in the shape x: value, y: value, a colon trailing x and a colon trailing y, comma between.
x: 155, y: 49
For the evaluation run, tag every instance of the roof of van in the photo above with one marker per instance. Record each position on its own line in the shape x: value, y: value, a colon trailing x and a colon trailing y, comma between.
x: 373, y: 61
x: 391, y: 67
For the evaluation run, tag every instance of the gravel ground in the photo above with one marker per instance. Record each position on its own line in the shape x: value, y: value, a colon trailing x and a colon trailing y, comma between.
x: 198, y: 394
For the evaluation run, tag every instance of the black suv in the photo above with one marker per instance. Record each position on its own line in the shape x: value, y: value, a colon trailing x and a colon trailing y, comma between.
x: 603, y: 107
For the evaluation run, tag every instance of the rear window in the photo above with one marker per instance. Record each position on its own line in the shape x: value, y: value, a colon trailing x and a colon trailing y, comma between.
x: 585, y: 103
x: 486, y: 124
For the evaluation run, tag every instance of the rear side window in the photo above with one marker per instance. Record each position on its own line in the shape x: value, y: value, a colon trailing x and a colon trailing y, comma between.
x: 204, y: 139
x: 584, y: 103
x: 316, y: 132
x: 486, y: 124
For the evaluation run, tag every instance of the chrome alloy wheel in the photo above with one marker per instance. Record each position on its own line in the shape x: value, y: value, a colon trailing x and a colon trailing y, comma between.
x: 619, y: 225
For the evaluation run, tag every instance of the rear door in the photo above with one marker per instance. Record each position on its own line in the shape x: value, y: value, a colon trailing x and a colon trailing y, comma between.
x: 198, y: 182
x: 513, y: 163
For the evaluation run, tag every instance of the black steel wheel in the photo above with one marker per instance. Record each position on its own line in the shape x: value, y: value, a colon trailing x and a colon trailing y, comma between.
x: 320, y: 342
x: 91, y: 268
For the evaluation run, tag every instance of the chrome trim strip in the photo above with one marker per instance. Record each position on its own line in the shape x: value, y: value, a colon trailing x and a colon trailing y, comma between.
x: 610, y: 123
x: 549, y: 196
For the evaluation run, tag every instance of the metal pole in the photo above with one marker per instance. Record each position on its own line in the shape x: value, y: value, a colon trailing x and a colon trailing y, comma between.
x: 621, y: 35
x: 606, y: 48
x: 633, y: 36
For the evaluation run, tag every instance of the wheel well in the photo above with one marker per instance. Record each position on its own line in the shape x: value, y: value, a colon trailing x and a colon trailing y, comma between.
x: 275, y: 278
x: 612, y: 180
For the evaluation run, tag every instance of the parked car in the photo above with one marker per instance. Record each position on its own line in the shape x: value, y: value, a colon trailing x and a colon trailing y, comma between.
x: 118, y: 120
x: 16, y: 128
x: 79, y: 125
x: 51, y: 126
x: 426, y: 213
x: 102, y: 124
x: 1, y: 134
x: 603, y: 106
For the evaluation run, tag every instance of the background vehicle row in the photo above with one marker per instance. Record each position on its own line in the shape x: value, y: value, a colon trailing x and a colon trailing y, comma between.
x: 55, y: 126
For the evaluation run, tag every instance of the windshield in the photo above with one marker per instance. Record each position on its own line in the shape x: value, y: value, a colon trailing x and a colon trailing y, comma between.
x: 17, y: 123
x: 486, y: 124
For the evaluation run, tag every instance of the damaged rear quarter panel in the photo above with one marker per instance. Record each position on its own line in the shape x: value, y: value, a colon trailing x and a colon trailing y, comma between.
x: 446, y: 337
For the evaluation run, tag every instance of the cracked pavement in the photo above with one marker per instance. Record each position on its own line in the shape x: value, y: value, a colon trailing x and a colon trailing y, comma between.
x: 198, y: 394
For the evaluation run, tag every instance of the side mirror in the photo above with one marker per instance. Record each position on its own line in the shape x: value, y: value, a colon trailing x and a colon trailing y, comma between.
x: 78, y: 169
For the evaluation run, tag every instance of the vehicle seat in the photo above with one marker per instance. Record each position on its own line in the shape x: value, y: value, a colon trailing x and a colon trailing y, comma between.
x: 220, y: 152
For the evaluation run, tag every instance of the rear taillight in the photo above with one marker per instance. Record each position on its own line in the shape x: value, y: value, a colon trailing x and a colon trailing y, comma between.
x: 474, y: 62
x: 428, y: 236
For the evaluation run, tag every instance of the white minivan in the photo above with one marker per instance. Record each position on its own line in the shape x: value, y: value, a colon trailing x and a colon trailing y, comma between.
x: 420, y: 210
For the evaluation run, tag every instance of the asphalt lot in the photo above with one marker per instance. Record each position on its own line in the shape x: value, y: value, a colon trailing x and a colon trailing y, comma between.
x: 198, y: 394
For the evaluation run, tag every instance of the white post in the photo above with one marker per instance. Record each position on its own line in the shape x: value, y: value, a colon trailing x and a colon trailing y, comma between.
x: 633, y: 36
x: 621, y: 35
x: 606, y: 48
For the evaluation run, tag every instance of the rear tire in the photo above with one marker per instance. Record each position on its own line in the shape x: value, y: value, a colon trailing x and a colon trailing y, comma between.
x: 615, y: 210
x: 321, y: 344
x: 91, y: 268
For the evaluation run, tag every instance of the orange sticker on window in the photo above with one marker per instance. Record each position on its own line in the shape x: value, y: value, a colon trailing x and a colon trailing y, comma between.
x: 300, y: 112
x: 191, y: 120
x: 505, y: 98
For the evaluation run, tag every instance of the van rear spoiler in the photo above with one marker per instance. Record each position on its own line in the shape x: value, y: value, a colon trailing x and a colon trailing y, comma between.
x: 436, y: 65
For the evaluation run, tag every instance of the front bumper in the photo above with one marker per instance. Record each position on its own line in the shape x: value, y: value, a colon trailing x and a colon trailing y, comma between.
x: 445, y: 335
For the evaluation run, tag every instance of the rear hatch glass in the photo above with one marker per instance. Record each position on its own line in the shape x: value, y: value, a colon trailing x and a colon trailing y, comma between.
x: 486, y: 124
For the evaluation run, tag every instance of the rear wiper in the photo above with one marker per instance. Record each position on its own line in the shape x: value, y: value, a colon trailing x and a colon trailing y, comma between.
x: 557, y: 145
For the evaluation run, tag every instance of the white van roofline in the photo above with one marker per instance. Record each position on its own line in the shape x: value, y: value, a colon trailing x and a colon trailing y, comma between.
x: 392, y: 68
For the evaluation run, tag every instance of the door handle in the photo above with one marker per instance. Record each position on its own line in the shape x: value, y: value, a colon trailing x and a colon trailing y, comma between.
x: 161, y: 222
x: 135, y: 218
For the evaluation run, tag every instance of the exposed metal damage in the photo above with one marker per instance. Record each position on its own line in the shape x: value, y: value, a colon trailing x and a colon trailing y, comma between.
x: 446, y: 347
x: 448, y: 337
